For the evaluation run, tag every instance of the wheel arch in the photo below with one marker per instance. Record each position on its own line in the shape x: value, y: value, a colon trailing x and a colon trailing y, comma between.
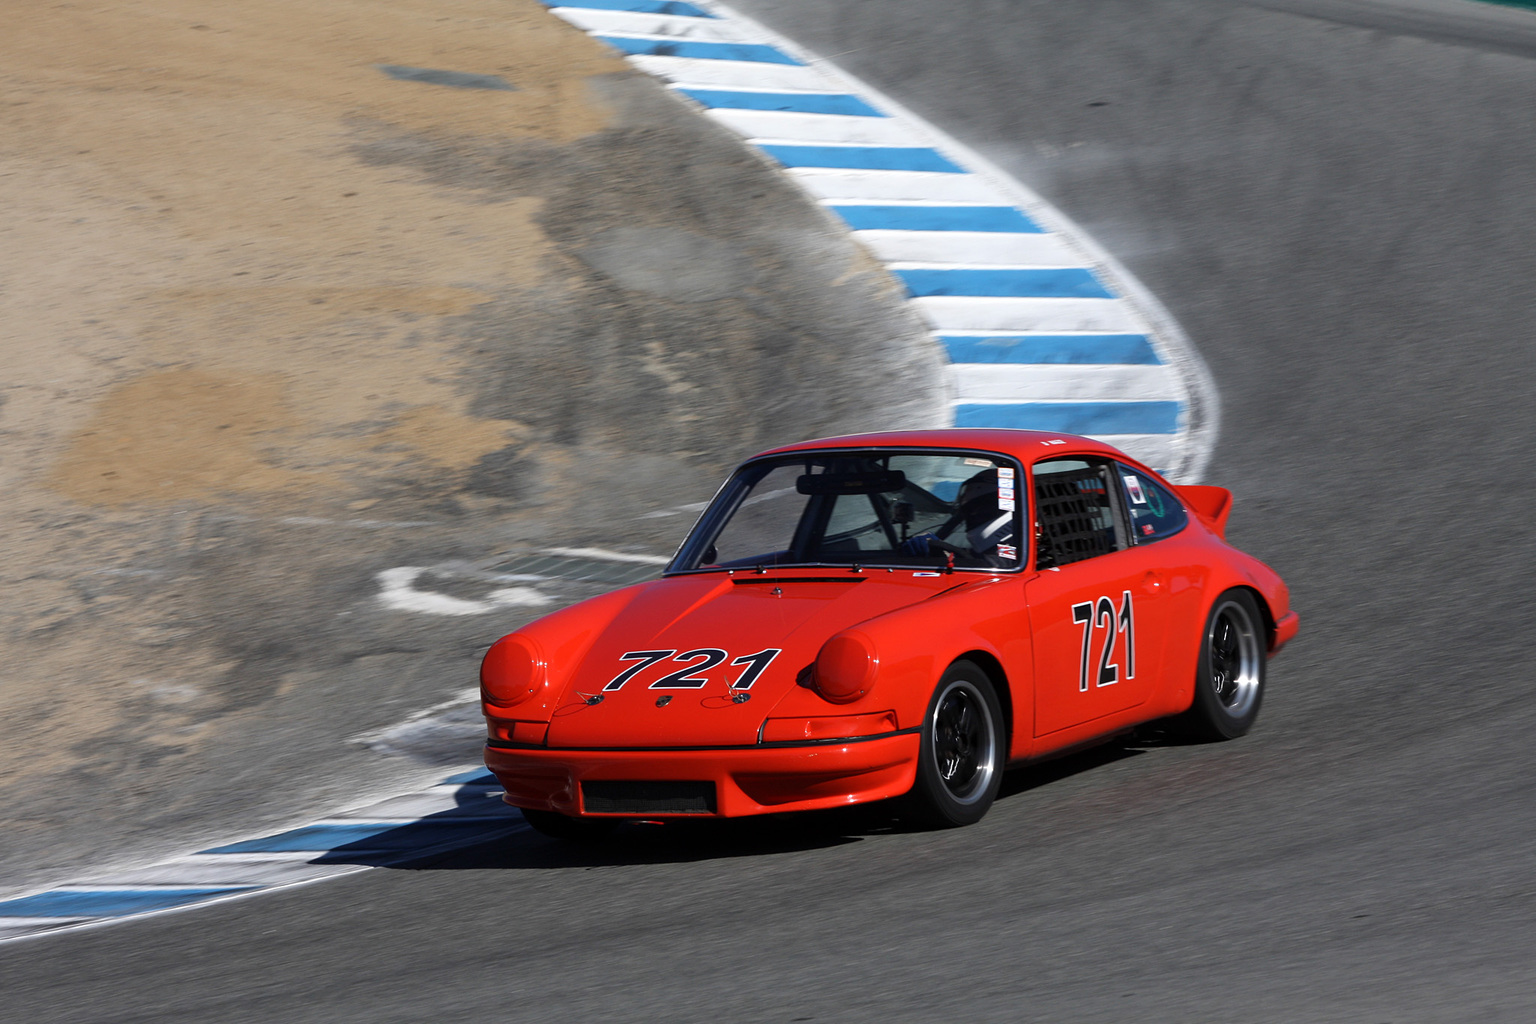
x: 989, y: 663
x: 1210, y: 715
x: 1182, y: 691
x: 1265, y: 610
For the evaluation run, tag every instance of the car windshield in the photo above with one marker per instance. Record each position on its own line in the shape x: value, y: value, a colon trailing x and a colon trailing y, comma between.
x: 920, y: 509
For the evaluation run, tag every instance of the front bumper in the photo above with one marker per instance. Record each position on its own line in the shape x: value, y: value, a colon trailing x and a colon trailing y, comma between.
x: 747, y: 780
x: 1286, y: 629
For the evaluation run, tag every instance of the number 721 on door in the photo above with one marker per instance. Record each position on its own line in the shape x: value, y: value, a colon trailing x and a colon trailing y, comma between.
x: 1102, y: 616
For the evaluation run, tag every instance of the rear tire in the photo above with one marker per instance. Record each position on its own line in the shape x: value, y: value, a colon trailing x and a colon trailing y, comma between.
x: 963, y: 749
x: 563, y: 826
x: 1229, y: 682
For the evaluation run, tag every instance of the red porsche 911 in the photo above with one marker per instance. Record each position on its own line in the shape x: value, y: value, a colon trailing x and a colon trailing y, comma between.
x: 887, y: 615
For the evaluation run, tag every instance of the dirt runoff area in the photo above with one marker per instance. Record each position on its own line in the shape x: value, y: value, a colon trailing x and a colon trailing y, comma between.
x: 295, y: 294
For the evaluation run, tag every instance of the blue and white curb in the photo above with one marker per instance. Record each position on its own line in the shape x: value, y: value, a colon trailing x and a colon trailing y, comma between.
x: 462, y: 810
x: 1043, y: 329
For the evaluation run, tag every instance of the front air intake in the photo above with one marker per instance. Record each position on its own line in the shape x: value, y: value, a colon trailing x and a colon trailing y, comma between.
x: 648, y: 797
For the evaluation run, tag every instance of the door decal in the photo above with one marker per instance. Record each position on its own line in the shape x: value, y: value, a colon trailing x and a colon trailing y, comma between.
x: 1101, y: 616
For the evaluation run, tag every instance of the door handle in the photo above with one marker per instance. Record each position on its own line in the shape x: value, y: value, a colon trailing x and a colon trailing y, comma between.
x: 1151, y: 582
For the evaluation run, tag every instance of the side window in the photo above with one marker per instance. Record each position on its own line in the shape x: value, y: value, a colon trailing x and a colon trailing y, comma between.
x: 1075, y: 507
x: 1155, y: 513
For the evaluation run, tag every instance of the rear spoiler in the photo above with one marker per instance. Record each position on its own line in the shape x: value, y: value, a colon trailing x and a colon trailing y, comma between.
x: 1212, y: 504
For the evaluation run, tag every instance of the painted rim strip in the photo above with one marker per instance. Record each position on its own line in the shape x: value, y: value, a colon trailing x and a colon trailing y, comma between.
x: 1043, y: 329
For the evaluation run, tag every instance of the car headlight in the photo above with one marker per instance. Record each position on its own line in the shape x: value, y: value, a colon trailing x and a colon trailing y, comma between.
x: 513, y: 671
x: 845, y: 668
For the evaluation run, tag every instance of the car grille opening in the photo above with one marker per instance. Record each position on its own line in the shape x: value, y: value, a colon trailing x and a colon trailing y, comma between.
x: 648, y: 797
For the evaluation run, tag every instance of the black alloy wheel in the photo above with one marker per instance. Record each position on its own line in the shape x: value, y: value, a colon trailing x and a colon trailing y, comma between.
x: 1229, y: 682
x: 963, y: 749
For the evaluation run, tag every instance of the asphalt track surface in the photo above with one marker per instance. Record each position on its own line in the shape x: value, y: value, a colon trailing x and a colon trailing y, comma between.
x: 1341, y: 218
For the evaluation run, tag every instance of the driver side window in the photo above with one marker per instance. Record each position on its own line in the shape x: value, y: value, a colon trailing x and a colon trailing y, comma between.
x: 1075, y: 511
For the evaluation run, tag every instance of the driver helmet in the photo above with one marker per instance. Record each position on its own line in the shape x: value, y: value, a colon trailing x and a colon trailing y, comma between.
x: 986, y: 525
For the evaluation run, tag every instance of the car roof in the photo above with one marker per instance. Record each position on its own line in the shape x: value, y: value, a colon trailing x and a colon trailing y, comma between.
x: 1028, y: 446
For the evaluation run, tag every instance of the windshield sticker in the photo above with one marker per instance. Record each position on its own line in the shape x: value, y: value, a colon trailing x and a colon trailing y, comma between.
x: 1004, y: 491
x: 1007, y: 504
x: 983, y: 463
x: 1134, y: 486
x: 1005, y: 472
x: 1008, y: 551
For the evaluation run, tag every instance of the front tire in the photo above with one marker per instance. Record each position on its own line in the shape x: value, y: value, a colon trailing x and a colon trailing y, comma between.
x: 960, y: 760
x: 1229, y: 682
x: 563, y: 826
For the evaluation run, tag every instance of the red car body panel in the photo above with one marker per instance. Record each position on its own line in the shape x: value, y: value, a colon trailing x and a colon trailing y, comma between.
x: 628, y: 686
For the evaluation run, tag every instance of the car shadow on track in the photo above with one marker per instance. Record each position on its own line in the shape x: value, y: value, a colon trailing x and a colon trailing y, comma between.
x: 670, y: 843
x: 703, y: 840
x: 1043, y: 773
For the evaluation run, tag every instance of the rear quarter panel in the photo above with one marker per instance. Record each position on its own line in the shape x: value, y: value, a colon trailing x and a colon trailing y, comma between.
x: 1200, y: 567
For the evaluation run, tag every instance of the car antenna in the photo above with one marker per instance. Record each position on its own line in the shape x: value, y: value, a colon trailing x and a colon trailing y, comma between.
x: 762, y: 570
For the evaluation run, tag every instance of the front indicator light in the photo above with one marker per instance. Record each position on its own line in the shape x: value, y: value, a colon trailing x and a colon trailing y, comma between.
x: 532, y: 733
x: 834, y: 727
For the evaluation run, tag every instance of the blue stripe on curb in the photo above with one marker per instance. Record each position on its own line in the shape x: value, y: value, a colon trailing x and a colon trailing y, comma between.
x: 1002, y: 219
x: 475, y: 777
x: 1127, y: 349
x: 863, y: 158
x: 753, y: 53
x: 798, y: 102
x: 357, y: 837
x: 1075, y: 417
x: 299, y: 855
x: 110, y: 902
x: 1051, y: 283
x: 673, y: 7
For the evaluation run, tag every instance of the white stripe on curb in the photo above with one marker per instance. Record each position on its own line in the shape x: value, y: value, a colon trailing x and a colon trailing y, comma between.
x: 831, y: 184
x: 991, y: 382
x: 974, y: 247
x: 786, y: 126
x: 1031, y: 348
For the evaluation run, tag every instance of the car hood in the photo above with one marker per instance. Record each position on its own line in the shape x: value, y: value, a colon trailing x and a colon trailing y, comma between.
x: 739, y: 615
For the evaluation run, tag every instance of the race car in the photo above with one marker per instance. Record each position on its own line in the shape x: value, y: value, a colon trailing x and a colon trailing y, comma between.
x: 894, y: 615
